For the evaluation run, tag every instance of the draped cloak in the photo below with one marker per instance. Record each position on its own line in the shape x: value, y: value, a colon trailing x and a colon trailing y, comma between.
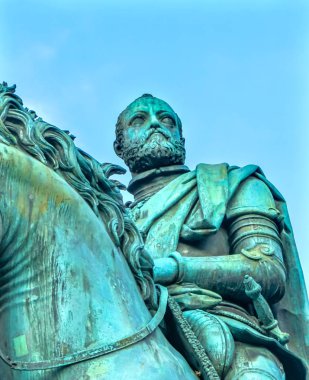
x: 162, y: 220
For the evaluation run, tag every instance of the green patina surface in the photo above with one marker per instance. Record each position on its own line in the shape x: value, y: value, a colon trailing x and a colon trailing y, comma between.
x: 20, y: 346
x: 74, y: 279
x: 208, y: 230
x: 77, y: 288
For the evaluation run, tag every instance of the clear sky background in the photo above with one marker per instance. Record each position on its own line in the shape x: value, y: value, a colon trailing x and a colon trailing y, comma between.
x: 236, y: 72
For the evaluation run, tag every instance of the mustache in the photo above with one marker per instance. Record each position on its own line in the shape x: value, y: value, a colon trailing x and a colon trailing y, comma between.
x: 163, y: 132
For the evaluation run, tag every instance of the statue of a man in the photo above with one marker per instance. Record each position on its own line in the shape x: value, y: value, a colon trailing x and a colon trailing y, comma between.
x: 209, y: 231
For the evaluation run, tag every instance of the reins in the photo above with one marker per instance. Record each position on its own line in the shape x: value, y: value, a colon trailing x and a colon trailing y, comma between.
x: 95, y: 352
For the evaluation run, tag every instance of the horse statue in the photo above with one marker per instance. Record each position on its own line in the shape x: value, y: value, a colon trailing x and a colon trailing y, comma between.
x: 77, y: 297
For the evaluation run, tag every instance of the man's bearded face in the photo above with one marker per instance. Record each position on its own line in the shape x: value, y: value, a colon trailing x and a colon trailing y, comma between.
x: 151, y: 136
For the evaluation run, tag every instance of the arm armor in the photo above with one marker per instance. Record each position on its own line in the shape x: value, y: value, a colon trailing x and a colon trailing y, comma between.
x: 256, y: 237
x: 252, y: 222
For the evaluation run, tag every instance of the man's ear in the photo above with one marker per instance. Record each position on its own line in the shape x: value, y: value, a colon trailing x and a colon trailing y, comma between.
x: 118, y: 149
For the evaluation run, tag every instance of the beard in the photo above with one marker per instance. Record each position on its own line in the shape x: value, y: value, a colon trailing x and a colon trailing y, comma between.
x: 155, y: 149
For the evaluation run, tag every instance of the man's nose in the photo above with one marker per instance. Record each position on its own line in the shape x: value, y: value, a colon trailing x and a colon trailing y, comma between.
x: 154, y: 123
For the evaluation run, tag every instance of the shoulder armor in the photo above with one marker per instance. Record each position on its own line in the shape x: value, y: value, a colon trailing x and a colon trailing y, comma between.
x: 252, y: 197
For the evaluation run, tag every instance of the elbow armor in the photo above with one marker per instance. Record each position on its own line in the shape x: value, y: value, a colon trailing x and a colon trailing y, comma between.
x: 254, y: 232
x: 255, y: 236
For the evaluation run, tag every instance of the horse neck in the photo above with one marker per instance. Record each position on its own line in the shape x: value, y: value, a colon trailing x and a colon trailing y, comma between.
x: 65, y: 285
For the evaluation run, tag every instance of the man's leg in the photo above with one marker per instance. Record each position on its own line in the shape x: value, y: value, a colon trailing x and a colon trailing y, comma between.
x: 254, y: 363
x: 215, y: 337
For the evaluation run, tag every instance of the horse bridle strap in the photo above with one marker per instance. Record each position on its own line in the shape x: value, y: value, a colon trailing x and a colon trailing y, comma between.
x: 99, y: 351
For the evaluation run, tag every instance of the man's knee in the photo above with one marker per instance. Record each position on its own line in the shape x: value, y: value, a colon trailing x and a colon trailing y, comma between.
x: 254, y: 363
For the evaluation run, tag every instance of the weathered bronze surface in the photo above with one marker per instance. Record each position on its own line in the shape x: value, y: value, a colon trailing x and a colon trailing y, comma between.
x: 81, y: 297
x: 74, y: 277
x: 222, y: 243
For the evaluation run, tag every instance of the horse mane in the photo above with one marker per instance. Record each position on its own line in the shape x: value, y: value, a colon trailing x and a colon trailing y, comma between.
x: 55, y: 148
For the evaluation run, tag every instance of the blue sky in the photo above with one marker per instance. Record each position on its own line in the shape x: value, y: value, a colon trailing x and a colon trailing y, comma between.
x: 235, y: 72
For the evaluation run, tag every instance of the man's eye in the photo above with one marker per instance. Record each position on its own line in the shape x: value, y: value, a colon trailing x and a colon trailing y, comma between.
x: 168, y: 120
x: 137, y: 120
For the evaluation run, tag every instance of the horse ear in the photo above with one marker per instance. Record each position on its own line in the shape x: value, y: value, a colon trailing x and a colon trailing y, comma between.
x: 118, y: 149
